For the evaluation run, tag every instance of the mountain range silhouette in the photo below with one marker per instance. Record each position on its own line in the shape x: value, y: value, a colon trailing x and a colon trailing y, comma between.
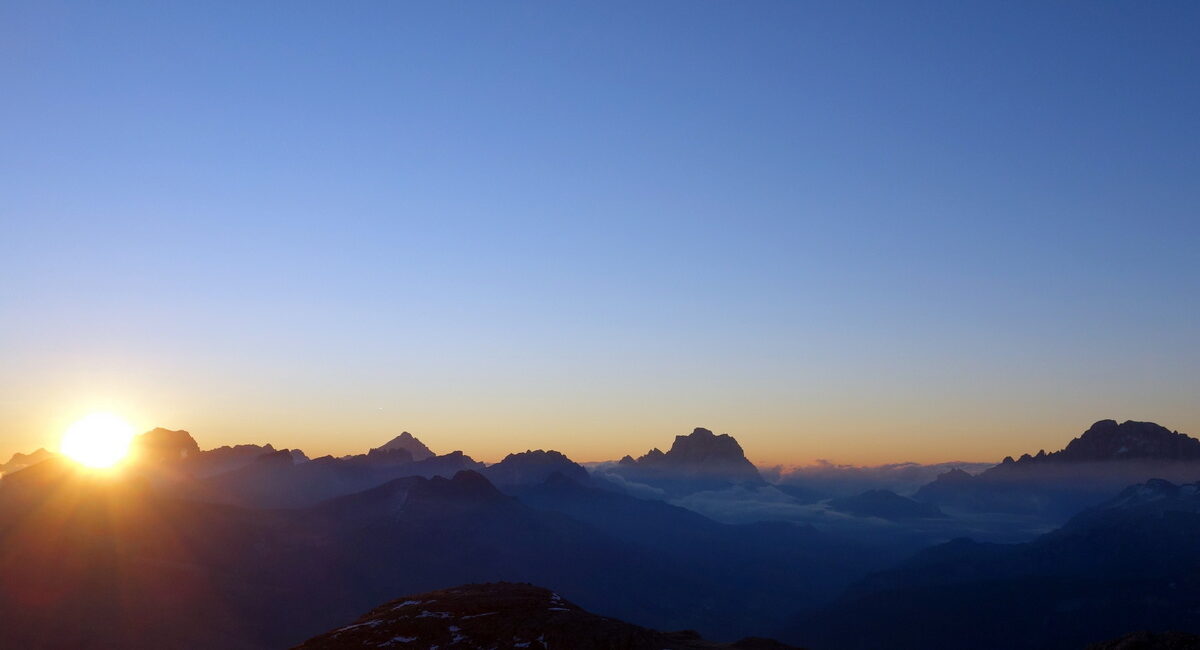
x: 253, y: 546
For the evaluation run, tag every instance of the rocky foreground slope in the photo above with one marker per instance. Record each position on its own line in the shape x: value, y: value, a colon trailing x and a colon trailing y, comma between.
x: 1151, y: 641
x: 505, y: 615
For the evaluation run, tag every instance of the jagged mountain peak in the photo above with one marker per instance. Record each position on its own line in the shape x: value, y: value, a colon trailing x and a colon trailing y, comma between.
x: 1107, y: 440
x: 409, y: 443
x: 701, y: 460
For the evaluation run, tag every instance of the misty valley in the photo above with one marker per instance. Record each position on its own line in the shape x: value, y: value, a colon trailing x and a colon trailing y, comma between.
x: 255, y: 547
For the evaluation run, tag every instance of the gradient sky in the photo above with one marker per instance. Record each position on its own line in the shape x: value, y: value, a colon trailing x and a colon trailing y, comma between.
x: 865, y: 232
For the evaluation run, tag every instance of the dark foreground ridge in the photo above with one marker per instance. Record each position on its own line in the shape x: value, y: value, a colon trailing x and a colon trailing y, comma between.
x: 505, y: 615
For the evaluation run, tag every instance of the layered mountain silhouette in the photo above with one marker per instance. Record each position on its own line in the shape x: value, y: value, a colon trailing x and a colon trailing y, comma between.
x: 177, y: 454
x: 534, y: 467
x: 1105, y: 458
x: 20, y: 461
x: 252, y: 547
x: 1107, y: 440
x: 266, y: 477
x: 505, y: 615
x: 173, y: 453
x: 771, y: 569
x: 136, y: 561
x: 276, y: 480
x: 698, y: 461
x: 1131, y: 563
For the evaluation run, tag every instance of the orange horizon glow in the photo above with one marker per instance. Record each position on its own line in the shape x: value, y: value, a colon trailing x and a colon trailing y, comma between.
x: 804, y: 442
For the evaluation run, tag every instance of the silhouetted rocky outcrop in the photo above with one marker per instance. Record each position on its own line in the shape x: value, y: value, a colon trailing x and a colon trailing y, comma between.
x: 1151, y: 641
x: 505, y: 615
x: 1107, y: 440
x: 165, y: 446
x: 698, y: 461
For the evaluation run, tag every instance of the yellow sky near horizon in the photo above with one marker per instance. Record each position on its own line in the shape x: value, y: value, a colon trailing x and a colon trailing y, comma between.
x: 860, y: 441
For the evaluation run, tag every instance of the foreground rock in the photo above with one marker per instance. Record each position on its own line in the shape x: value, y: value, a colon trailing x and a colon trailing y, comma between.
x: 1151, y: 641
x: 504, y: 615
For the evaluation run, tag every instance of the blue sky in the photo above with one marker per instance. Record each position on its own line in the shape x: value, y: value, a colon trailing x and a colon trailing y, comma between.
x: 858, y: 231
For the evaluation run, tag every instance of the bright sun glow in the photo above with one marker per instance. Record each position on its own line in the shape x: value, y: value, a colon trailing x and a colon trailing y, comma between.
x: 98, y: 440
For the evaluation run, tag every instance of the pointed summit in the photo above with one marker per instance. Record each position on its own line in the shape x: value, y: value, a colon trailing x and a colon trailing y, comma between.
x: 409, y: 443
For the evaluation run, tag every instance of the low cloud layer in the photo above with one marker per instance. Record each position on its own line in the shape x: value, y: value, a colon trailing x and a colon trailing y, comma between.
x: 824, y: 478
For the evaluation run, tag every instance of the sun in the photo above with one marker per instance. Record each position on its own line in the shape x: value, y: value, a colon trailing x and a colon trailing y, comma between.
x: 99, y: 440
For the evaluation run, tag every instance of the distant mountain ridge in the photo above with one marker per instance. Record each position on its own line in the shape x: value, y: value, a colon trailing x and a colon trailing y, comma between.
x: 1107, y: 440
x: 505, y: 615
x: 533, y: 467
x: 278, y: 481
x: 20, y: 461
x: 1107, y: 457
x: 179, y: 451
x: 255, y: 547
